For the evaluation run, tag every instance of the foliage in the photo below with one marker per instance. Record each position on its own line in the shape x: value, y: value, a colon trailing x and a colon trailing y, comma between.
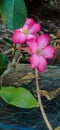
x: 13, y: 13
x: 39, y: 52
x: 3, y: 63
x: 19, y: 97
x: 37, y: 47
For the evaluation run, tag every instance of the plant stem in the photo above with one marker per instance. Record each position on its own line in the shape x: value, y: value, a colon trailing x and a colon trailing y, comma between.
x: 40, y: 103
x: 10, y: 67
x: 8, y: 51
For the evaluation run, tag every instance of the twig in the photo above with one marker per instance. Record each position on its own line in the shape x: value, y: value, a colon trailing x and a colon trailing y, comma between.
x: 40, y: 103
x: 10, y: 67
x: 8, y: 51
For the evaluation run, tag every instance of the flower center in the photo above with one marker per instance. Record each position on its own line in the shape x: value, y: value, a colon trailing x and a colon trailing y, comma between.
x: 38, y: 52
x: 25, y: 31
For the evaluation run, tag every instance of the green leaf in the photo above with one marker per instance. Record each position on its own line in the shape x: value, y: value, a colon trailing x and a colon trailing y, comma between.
x: 0, y: 7
x: 13, y: 13
x: 19, y: 97
x: 3, y: 63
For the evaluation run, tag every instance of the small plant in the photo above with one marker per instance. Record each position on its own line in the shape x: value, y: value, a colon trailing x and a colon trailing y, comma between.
x: 38, y: 48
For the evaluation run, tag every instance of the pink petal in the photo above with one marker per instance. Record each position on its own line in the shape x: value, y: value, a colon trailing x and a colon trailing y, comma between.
x: 43, y: 40
x: 32, y: 45
x: 34, y: 60
x: 18, y: 37
x: 48, y: 52
x: 30, y: 37
x: 42, y: 64
x: 25, y: 27
x: 29, y: 23
x: 35, y: 28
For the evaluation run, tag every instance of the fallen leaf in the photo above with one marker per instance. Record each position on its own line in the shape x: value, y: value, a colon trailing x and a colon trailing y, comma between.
x: 58, y: 128
x: 27, y: 78
x: 49, y: 95
x: 53, y: 36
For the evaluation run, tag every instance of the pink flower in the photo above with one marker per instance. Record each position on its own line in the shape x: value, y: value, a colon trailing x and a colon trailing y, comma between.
x: 27, y: 32
x: 40, y: 52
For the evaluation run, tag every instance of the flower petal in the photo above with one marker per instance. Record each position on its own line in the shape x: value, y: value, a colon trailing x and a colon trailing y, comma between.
x: 48, y: 52
x: 29, y: 23
x: 35, y: 28
x: 43, y: 40
x: 42, y: 64
x: 32, y: 45
x: 34, y: 60
x: 18, y: 37
x: 30, y: 37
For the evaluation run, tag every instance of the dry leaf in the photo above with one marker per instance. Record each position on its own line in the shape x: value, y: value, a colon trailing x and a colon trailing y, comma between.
x: 58, y: 128
x: 53, y: 36
x: 25, y: 79
x: 49, y: 95
x: 28, y: 77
